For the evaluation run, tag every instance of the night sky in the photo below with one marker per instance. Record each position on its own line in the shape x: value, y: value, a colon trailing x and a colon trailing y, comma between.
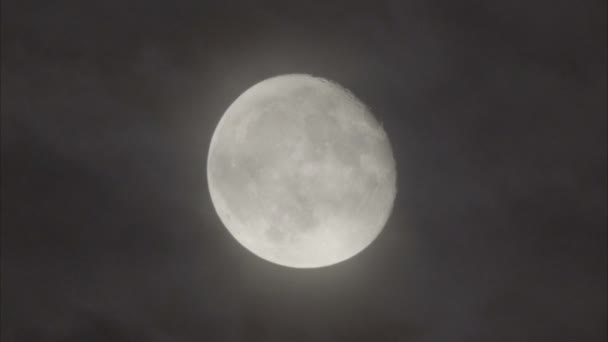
x: 496, y: 112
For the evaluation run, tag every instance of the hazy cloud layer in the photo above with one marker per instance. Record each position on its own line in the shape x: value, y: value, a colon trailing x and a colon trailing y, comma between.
x: 496, y: 111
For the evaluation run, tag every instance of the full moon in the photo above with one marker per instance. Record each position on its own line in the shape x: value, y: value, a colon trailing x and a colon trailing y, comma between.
x: 300, y: 172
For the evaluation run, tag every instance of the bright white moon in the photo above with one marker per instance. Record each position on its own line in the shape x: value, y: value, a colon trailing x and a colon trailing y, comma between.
x: 300, y: 172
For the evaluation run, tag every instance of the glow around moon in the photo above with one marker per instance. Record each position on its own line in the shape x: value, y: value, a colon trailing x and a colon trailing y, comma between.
x: 300, y: 172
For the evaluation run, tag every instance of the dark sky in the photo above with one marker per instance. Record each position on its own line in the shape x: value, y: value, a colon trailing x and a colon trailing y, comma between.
x: 496, y: 111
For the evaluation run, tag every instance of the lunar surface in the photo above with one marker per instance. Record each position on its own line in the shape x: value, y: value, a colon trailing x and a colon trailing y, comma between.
x: 300, y: 172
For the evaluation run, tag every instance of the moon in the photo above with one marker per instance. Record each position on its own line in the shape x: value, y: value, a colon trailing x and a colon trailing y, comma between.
x: 300, y: 172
